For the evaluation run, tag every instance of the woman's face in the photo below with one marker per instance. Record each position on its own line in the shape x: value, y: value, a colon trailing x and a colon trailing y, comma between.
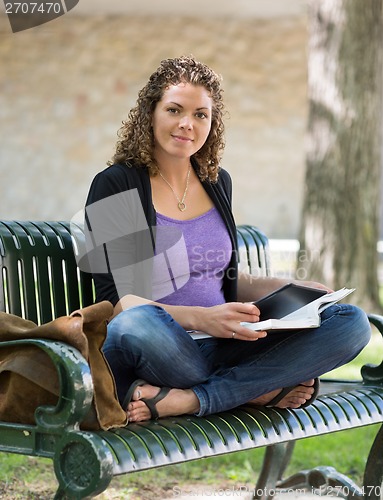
x: 181, y: 121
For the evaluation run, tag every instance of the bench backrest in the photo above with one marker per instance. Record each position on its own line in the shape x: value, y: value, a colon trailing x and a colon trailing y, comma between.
x: 40, y: 280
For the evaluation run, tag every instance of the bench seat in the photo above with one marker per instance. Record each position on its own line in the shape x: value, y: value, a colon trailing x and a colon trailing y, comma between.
x: 40, y: 281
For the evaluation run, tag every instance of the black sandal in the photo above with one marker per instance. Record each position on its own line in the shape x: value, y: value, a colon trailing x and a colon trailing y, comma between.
x: 286, y: 390
x: 150, y: 402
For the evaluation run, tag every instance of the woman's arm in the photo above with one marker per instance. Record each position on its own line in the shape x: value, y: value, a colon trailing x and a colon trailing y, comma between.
x: 217, y: 321
x: 222, y: 320
x: 251, y: 288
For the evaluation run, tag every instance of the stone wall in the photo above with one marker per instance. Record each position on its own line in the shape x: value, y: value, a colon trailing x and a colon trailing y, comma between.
x: 66, y: 86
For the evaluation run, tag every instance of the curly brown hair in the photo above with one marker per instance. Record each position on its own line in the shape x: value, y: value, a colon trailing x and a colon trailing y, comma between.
x: 136, y: 140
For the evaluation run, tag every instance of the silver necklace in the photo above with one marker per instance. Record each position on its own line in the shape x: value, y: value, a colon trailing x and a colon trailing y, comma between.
x: 181, y: 202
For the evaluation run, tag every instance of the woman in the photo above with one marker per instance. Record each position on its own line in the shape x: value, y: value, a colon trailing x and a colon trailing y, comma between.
x: 165, y: 207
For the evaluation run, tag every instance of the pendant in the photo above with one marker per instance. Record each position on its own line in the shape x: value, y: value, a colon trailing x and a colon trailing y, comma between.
x: 181, y: 206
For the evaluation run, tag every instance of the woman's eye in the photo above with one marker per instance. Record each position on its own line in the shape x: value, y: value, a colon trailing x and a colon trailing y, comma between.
x: 201, y: 115
x: 173, y: 110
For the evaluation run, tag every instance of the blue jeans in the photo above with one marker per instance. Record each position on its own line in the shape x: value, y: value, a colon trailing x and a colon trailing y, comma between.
x: 146, y: 342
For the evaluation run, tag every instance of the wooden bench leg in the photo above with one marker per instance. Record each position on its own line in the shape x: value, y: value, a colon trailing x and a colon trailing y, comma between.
x: 276, y: 459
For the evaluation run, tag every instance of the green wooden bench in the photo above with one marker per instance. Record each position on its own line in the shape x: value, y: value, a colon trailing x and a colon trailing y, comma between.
x: 39, y: 280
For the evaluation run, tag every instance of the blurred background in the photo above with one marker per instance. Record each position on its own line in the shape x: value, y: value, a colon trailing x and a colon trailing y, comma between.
x: 67, y: 85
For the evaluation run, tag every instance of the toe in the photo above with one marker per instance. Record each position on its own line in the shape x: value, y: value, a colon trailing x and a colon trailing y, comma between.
x: 308, y: 383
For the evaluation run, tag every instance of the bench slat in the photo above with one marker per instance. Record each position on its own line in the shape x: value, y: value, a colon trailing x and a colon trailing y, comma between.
x: 169, y: 441
x: 39, y: 280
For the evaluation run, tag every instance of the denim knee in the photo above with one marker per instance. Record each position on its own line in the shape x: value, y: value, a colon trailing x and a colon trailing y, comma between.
x: 358, y: 325
x: 350, y: 325
x: 132, y: 326
x: 131, y: 344
x: 146, y: 341
x: 361, y: 329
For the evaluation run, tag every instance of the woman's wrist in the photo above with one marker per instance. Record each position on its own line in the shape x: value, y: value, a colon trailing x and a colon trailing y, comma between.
x: 198, y: 318
x: 189, y: 317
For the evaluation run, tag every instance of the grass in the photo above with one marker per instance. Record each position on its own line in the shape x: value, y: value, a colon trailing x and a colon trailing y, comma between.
x: 35, y: 478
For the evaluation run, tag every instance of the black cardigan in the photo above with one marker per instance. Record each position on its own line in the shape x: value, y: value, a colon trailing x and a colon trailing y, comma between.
x: 120, y: 178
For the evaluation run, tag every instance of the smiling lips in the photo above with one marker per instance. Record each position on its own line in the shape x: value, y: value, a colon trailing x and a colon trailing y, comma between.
x: 182, y: 138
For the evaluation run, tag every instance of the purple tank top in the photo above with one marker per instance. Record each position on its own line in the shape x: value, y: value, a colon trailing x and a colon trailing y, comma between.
x: 191, y: 258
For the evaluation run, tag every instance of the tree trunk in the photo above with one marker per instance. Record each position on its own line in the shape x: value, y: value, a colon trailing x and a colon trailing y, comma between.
x: 340, y: 220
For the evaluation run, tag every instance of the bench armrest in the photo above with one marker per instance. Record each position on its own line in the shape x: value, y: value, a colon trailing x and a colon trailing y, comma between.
x: 373, y: 374
x: 377, y: 321
x: 75, y: 382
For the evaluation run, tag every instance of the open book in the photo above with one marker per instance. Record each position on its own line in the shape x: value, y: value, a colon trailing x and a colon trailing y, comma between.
x: 294, y: 307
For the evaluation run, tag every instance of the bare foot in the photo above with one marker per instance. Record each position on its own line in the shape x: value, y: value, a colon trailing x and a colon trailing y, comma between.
x: 176, y: 402
x: 293, y: 399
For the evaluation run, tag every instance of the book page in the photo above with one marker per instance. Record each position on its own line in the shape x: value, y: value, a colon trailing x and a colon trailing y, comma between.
x: 318, y: 305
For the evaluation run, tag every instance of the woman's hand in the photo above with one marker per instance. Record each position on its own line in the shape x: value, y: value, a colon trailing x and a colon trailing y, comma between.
x: 225, y: 320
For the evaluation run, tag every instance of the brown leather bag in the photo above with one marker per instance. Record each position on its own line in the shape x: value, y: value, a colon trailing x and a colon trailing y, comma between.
x: 28, y: 377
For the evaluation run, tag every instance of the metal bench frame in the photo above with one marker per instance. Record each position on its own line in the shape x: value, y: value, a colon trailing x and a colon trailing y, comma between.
x: 39, y: 280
